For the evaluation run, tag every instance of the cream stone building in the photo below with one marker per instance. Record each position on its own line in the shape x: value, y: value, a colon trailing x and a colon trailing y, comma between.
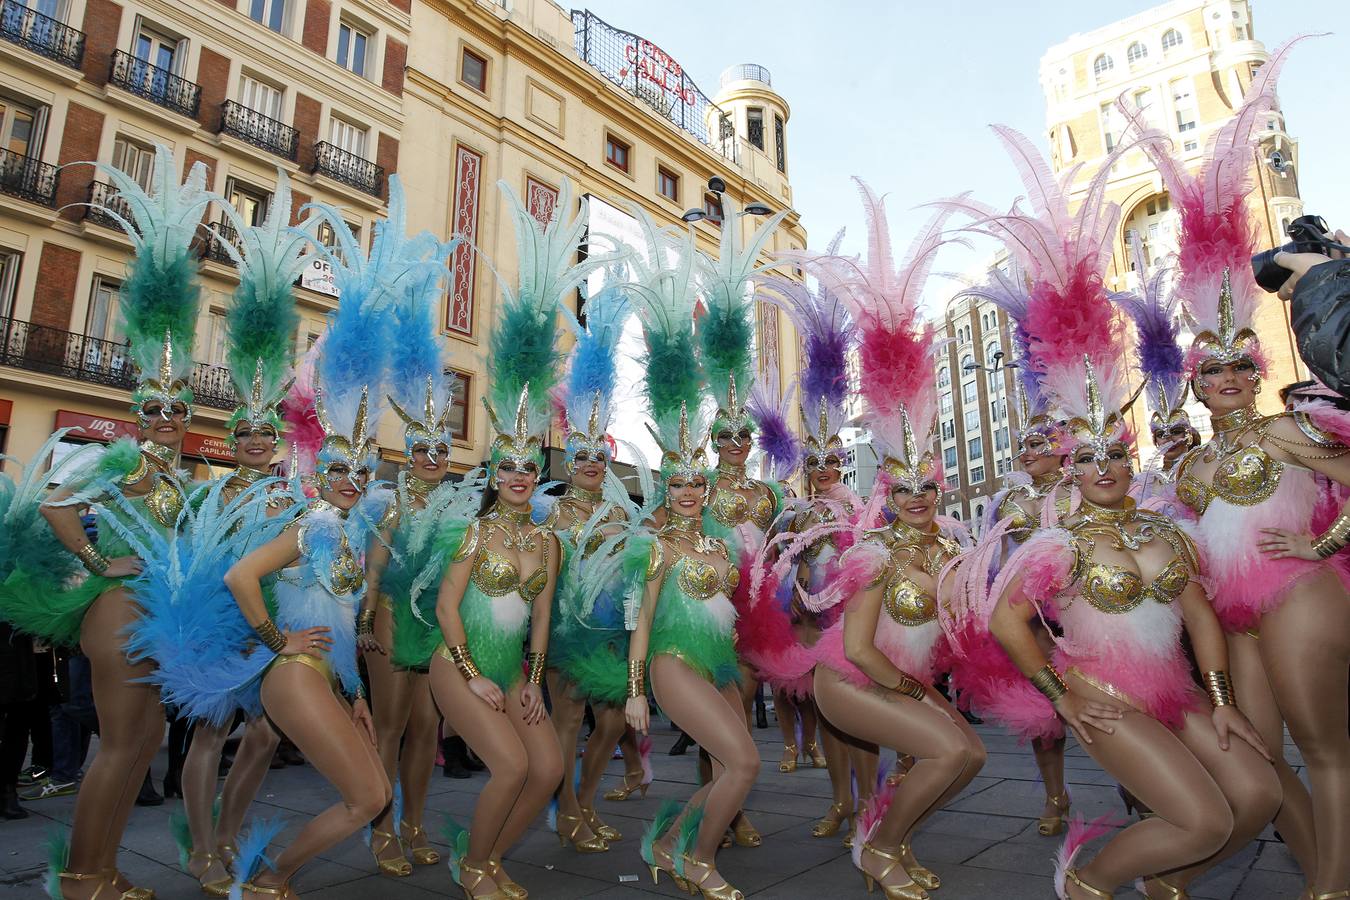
x: 1186, y: 64
x: 532, y: 94
x: 313, y: 87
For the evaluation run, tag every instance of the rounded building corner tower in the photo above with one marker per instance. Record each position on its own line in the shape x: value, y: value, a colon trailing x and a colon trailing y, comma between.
x: 754, y: 124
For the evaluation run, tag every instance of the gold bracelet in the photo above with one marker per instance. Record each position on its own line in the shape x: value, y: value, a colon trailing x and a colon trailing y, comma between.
x: 1047, y: 681
x: 536, y: 660
x: 637, y: 678
x: 1334, y: 538
x: 463, y: 660
x: 365, y: 623
x: 1220, y: 689
x: 94, y: 561
x: 270, y: 635
x: 910, y: 687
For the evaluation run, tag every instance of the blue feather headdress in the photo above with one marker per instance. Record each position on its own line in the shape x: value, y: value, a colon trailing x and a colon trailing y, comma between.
x: 1157, y: 322
x: 260, y: 325
x: 352, y: 366
x: 420, y: 390
x: 161, y: 296
x: 726, y: 329
x: 589, y: 389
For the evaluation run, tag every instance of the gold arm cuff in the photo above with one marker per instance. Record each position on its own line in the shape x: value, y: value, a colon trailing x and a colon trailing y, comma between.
x: 365, y: 623
x: 637, y: 678
x: 536, y: 661
x: 270, y: 635
x: 910, y: 687
x: 1220, y: 689
x: 94, y: 561
x: 1334, y: 538
x: 1047, y: 681
x: 463, y: 660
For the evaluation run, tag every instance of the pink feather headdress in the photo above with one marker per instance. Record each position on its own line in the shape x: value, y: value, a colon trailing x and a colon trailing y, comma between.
x: 1217, y: 239
x: 895, y: 346
x: 303, y: 430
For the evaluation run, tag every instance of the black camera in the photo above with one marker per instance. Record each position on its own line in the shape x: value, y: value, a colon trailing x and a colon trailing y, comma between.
x: 1309, y: 235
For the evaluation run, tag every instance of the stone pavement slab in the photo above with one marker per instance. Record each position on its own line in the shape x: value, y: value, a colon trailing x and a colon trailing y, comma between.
x: 984, y: 845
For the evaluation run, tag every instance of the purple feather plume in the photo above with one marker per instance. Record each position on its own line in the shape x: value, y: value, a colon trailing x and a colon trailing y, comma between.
x: 774, y: 437
x: 1158, y: 327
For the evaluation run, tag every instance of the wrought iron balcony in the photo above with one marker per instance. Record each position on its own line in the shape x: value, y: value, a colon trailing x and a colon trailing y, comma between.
x: 214, y: 250
x: 159, y: 86
x: 253, y: 127
x: 41, y: 348
x: 43, y: 35
x: 348, y: 168
x: 28, y: 178
x: 103, y: 197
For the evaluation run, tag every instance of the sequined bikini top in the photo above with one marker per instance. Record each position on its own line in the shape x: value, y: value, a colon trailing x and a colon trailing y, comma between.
x: 166, y: 497
x: 732, y: 508
x: 1116, y: 589
x: 819, y: 513
x: 576, y: 508
x: 1022, y: 524
x: 346, y: 575
x: 905, y: 601
x: 697, y: 578
x: 494, y: 574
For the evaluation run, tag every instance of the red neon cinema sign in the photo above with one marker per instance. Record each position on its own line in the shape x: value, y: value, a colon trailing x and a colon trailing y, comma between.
x: 650, y: 63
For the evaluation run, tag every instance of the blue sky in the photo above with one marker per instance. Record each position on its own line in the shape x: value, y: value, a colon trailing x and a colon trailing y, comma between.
x: 901, y: 93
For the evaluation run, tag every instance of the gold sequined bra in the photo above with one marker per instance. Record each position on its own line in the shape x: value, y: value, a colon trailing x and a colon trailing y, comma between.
x: 1023, y: 524
x: 731, y: 508
x: 496, y: 576
x: 1116, y: 589
x: 700, y: 580
x: 1245, y: 477
x: 908, y: 604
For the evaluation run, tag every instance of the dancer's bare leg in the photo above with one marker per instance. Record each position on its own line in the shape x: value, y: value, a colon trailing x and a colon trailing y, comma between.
x: 301, y: 702
x: 543, y: 772
x: 1306, y: 648
x: 1294, y: 821
x: 1193, y: 818
x: 1248, y: 782
x: 251, y: 762
x: 131, y: 728
x: 609, y: 731
x: 749, y: 687
x: 841, y: 790
x: 568, y: 712
x: 710, y: 718
x: 201, y: 770
x: 391, y: 698
x: 1049, y: 753
x: 418, y: 759
x: 788, y: 712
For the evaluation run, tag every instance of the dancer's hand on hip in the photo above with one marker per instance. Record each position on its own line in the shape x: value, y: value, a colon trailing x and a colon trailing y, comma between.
x: 488, y: 692
x: 123, y: 567
x: 532, y: 698
x: 1230, y: 722
x: 1279, y: 544
x: 307, y: 640
x: 1082, y: 714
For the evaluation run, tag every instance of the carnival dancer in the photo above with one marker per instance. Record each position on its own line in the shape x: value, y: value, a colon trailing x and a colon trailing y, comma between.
x: 877, y: 661
x: 141, y: 494
x: 497, y: 591
x: 1264, y: 516
x: 588, y: 648
x: 405, y: 716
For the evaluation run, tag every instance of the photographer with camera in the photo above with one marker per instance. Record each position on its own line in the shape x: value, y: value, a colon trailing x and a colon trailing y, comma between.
x: 1312, y: 272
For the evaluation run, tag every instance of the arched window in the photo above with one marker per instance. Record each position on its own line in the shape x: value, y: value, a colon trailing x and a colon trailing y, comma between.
x: 966, y: 361
x: 944, y: 377
x: 1136, y: 53
x: 1101, y: 65
x: 1171, y: 38
x: 989, y: 350
x: 979, y: 511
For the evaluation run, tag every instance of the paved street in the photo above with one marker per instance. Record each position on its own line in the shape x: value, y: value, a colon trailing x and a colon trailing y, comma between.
x: 984, y: 846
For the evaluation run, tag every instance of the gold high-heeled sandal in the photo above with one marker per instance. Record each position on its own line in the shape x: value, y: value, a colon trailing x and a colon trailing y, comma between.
x: 131, y: 893
x: 281, y: 893
x: 592, y: 844
x: 1334, y: 895
x: 1174, y: 893
x: 789, y: 761
x: 85, y: 876
x: 394, y: 868
x: 623, y: 793
x: 923, y: 876
x: 911, y: 891
x: 1072, y: 875
x: 744, y: 833
x: 1049, y: 826
x: 657, y: 867
x: 498, y: 894
x: 852, y: 830
x: 598, y: 827
x: 829, y: 826
x: 422, y: 856
x: 725, y: 892
x: 220, y: 887
x: 817, y: 758
x: 504, y: 882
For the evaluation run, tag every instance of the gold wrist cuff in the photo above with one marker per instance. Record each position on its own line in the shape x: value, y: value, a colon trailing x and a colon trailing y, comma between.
x: 270, y: 635
x: 1047, y: 681
x: 536, y: 661
x: 463, y: 660
x: 910, y: 687
x: 1220, y: 689
x: 365, y: 623
x: 637, y: 678
x: 94, y: 561
x: 1334, y: 538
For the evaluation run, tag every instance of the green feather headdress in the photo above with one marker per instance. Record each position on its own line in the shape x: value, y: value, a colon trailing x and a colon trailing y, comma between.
x: 523, y: 356
x: 726, y: 331
x: 161, y: 296
x: 260, y: 325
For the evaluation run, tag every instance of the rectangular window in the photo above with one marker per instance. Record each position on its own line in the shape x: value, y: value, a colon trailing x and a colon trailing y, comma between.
x: 459, y: 404
x: 754, y: 126
x: 968, y: 392
x: 779, y: 143
x: 21, y: 126
x: 328, y: 238
x: 1190, y: 146
x: 215, y: 338
x: 1184, y: 104
x: 473, y: 70
x: 616, y: 153
x: 9, y: 280
x: 949, y: 457
x: 271, y: 13
x: 668, y: 184
x: 712, y: 206
x: 102, y: 319
x: 249, y: 201
x: 953, y: 481
x: 946, y: 402
x: 159, y: 49
x: 975, y: 448
x: 260, y: 97
x: 972, y: 420
x: 352, y: 48
x: 346, y: 136
x: 1109, y: 127
x: 949, y: 429
x: 977, y: 474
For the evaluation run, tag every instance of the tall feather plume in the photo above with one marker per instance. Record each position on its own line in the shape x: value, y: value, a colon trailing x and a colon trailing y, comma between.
x: 663, y: 293
x: 261, y: 322
x: 419, y: 353
x: 779, y: 443
x: 726, y: 329
x: 523, y: 348
x: 1158, y: 331
x: 592, y: 371
x: 303, y: 431
x: 1217, y: 232
x: 162, y: 292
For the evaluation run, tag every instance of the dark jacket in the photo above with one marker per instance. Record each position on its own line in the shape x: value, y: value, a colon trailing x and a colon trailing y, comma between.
x: 1320, y: 314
